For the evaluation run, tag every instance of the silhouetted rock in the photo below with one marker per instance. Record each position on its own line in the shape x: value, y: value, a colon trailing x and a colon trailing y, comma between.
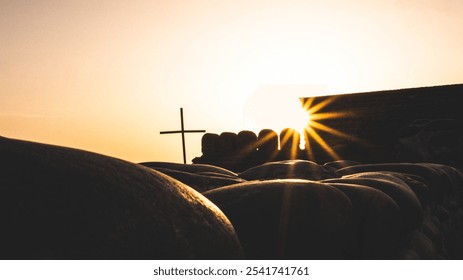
x: 416, y: 184
x: 437, y: 140
x: 288, y: 169
x: 288, y: 219
x: 337, y: 164
x: 191, y: 168
x: 434, y: 180
x: 227, y: 145
x: 62, y: 203
x: 423, y: 246
x: 210, y: 145
x: 246, y: 144
x: 410, y: 208
x: 201, y: 182
x: 443, y: 215
x: 376, y: 222
x: 267, y: 144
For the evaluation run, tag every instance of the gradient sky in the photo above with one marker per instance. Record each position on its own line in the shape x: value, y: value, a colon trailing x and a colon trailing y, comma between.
x: 107, y: 76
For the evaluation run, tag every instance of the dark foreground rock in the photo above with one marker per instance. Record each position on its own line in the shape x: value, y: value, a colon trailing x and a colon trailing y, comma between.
x: 62, y: 203
x: 288, y: 219
x: 288, y: 169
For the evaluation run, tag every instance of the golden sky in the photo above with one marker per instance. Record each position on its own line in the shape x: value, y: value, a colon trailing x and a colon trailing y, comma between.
x: 108, y: 75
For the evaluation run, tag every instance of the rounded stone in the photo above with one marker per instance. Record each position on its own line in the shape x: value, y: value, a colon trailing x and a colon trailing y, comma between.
x: 201, y: 182
x: 288, y: 219
x: 376, y: 222
x: 437, y: 184
x: 337, y: 164
x: 410, y: 207
x: 288, y: 169
x: 63, y: 203
x: 190, y: 168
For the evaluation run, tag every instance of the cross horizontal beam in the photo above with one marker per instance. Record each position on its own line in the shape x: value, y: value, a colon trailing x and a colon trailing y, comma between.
x: 179, y: 131
x: 182, y: 131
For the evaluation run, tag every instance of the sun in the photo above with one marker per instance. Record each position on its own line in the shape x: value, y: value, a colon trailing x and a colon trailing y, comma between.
x: 276, y: 107
x: 317, y: 114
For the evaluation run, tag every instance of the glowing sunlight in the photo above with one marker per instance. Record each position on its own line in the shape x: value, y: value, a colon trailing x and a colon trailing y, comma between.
x: 315, y: 123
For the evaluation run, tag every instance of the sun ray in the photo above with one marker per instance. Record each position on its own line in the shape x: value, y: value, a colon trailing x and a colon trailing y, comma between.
x: 323, y: 144
x: 330, y: 130
x: 308, y: 104
x: 329, y: 115
x: 295, y: 147
x: 308, y: 146
x: 314, y: 109
x: 295, y: 137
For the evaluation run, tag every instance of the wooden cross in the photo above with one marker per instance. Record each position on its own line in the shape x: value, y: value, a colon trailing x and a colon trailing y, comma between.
x: 182, y: 131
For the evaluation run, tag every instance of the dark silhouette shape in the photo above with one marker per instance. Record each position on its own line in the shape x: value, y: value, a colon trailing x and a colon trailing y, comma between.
x: 63, y: 203
x: 210, y: 146
x: 387, y: 122
x: 227, y: 144
x: 439, y: 140
x: 288, y: 169
x: 376, y: 219
x: 182, y: 131
x: 410, y: 207
x: 267, y: 144
x: 246, y: 144
x: 287, y: 219
x: 406, y: 125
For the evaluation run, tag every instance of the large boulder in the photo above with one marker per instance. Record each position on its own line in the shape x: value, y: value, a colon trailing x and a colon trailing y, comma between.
x: 435, y: 180
x: 376, y: 222
x: 410, y: 208
x: 288, y: 219
x: 62, y: 203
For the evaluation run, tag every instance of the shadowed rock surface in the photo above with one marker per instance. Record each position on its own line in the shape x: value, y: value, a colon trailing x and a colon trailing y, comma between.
x: 376, y: 222
x: 289, y: 169
x: 62, y: 203
x: 267, y: 144
x: 192, y: 168
x: 289, y: 219
x: 201, y: 182
x: 411, y: 213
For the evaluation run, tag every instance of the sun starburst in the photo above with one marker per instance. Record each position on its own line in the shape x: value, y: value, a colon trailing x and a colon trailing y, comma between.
x: 317, y: 114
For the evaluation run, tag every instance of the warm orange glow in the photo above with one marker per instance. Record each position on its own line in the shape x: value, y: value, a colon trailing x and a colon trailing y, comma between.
x: 295, y: 137
x: 107, y: 76
x: 315, y: 123
x: 314, y: 135
x: 276, y: 107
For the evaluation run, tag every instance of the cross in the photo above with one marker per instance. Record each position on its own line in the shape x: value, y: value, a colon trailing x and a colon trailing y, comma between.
x: 182, y: 131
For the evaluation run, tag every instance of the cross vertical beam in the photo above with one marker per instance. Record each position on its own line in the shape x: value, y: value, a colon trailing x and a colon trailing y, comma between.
x: 183, y: 136
x: 182, y: 131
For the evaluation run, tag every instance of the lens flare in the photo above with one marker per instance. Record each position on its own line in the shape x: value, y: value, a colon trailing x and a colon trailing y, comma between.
x: 316, y: 115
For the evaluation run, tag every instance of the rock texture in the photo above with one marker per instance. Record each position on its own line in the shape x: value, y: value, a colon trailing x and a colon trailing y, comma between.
x: 62, y: 203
